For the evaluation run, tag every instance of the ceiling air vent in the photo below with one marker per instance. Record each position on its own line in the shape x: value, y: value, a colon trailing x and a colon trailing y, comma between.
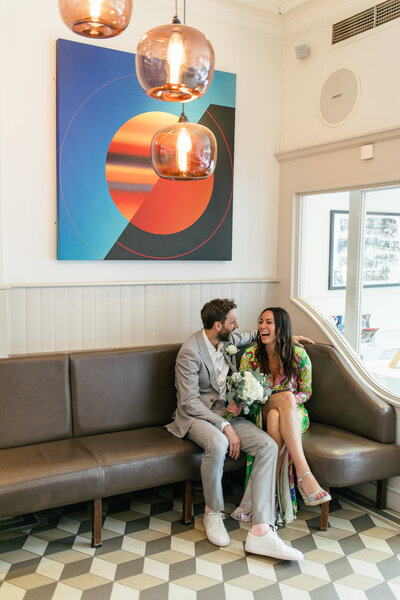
x: 365, y: 20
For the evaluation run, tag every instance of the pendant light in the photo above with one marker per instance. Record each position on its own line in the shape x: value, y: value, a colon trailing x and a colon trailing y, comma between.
x: 175, y: 62
x: 184, y: 151
x: 96, y: 18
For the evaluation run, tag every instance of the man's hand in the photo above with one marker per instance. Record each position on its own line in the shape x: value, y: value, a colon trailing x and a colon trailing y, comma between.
x: 234, y: 441
x: 234, y: 408
x: 300, y: 338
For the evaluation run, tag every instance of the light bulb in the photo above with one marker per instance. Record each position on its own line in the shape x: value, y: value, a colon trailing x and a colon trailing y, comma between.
x: 175, y: 57
x: 95, y: 9
x: 183, y: 146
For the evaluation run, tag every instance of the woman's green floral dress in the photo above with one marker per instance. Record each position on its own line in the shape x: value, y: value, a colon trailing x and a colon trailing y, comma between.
x: 300, y: 387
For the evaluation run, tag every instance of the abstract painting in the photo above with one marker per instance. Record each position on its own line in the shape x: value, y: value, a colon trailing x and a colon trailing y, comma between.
x: 111, y: 204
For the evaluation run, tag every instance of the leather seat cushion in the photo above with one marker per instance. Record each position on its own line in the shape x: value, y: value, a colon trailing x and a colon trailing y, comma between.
x: 47, y: 475
x: 142, y: 458
x: 339, y: 458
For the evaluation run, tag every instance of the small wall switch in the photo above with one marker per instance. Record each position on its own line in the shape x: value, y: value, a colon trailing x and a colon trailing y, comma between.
x: 367, y: 151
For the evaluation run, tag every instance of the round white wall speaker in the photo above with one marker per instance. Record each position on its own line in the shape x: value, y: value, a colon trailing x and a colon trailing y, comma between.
x: 339, y: 96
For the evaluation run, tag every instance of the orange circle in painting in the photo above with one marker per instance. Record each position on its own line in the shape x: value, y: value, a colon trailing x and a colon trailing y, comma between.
x: 155, y: 205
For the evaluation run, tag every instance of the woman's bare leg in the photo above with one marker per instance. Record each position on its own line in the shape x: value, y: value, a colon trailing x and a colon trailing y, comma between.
x: 289, y: 425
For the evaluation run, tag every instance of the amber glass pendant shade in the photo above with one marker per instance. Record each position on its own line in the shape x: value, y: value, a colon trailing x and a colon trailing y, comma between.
x: 174, y: 63
x: 96, y: 18
x: 184, y: 151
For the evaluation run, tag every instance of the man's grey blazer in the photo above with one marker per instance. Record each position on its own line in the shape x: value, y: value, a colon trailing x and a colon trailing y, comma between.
x: 196, y: 381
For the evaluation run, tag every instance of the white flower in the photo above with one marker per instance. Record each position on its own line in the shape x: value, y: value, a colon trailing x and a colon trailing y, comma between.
x: 231, y: 350
x: 252, y: 389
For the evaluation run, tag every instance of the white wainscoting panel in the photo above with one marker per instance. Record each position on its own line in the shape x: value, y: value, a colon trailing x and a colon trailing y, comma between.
x: 46, y: 318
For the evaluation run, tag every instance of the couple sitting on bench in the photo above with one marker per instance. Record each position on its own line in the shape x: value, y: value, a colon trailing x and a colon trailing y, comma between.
x: 202, y: 367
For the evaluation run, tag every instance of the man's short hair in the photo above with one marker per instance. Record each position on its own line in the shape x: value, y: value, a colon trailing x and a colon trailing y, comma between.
x: 216, y: 310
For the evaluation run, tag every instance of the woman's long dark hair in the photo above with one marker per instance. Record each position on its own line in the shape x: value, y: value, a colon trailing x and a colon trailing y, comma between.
x: 284, y: 344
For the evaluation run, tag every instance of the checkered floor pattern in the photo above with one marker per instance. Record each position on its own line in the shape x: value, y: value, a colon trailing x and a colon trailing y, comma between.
x: 147, y: 554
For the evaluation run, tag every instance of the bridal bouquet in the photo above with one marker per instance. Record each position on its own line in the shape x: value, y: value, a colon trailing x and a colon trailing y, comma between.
x: 250, y: 388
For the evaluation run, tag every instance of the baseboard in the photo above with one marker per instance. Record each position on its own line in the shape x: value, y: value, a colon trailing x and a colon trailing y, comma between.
x: 369, y: 490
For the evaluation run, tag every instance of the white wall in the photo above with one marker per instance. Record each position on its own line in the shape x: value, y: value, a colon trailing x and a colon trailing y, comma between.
x: 28, y: 161
x: 371, y: 55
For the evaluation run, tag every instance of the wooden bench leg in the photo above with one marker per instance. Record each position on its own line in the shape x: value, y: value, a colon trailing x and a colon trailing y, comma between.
x: 324, y: 515
x: 187, y: 503
x: 381, y: 493
x: 97, y: 522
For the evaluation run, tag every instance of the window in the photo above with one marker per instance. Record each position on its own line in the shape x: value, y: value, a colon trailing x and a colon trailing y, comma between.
x: 349, y: 270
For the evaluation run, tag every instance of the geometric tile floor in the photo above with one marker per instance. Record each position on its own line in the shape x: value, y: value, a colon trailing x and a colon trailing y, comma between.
x: 147, y: 554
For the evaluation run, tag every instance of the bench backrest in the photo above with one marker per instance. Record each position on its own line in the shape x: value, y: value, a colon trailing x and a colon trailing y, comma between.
x: 341, y: 400
x: 35, y: 403
x: 122, y: 389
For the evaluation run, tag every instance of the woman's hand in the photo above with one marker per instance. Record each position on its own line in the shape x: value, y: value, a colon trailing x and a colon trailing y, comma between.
x: 300, y: 338
x: 234, y: 408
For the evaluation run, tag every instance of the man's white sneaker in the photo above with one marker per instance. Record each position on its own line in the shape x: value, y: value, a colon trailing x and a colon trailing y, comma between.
x: 271, y: 544
x: 215, y: 529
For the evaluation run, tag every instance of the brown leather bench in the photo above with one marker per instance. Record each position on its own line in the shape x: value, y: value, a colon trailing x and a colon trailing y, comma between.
x: 88, y: 425
x: 351, y: 438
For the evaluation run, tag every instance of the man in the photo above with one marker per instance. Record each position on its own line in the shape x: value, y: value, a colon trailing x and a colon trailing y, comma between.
x: 200, y: 376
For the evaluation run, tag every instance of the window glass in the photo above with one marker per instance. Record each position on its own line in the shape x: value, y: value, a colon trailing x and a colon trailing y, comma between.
x: 359, y: 287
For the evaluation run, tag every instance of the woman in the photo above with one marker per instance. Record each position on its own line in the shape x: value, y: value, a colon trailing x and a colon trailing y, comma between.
x: 284, y: 416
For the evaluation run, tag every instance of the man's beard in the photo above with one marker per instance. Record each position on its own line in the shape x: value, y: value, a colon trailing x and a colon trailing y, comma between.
x: 224, y: 335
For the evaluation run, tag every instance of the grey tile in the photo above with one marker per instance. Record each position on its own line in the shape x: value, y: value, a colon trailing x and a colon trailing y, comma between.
x: 23, y: 568
x: 271, y: 592
x: 60, y: 545
x: 394, y: 544
x: 325, y: 592
x: 137, y: 525
x: 305, y: 544
x: 182, y: 569
x: 102, y: 592
x: 45, y: 592
x: 379, y: 592
x: 128, y: 569
x: 236, y: 568
x: 110, y: 545
x: 178, y: 527
x: 79, y: 567
x: 159, y: 592
x: 160, y: 507
x: 215, y: 592
x: 339, y: 568
x: 9, y: 545
x: 362, y: 523
x: 203, y: 547
x: 390, y: 567
x: 351, y: 544
x: 156, y: 546
x: 286, y: 569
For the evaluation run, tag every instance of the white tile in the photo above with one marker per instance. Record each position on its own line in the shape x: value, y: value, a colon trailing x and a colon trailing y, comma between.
x: 363, y: 567
x: 66, y: 592
x: 182, y: 545
x: 347, y: 593
x: 36, y: 545
x: 160, y: 525
x: 375, y: 543
x: 291, y: 593
x: 177, y: 592
x: 70, y: 525
x: 134, y: 545
x: 341, y: 524
x: 4, y: 568
x: 236, y: 593
x: 209, y: 569
x: 11, y: 592
x: 122, y: 592
x: 50, y: 568
x: 309, y: 567
x: 81, y: 544
x: 103, y: 568
x: 114, y: 525
x: 261, y: 568
x: 156, y: 568
x: 324, y: 543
